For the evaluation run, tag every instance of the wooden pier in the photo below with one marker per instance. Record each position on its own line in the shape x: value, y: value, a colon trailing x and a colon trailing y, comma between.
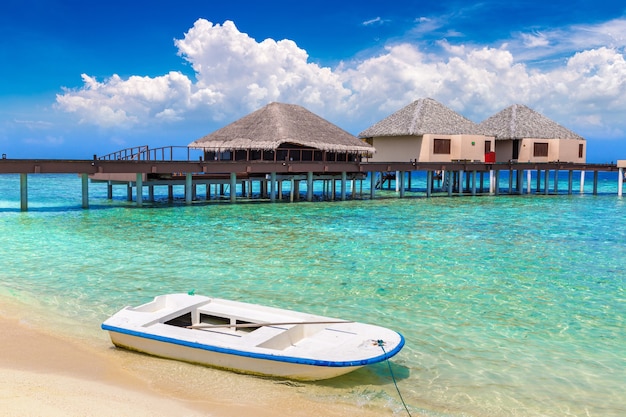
x: 459, y: 177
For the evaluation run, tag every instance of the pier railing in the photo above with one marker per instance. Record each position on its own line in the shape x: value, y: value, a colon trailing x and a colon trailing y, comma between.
x: 145, y: 153
x: 184, y: 153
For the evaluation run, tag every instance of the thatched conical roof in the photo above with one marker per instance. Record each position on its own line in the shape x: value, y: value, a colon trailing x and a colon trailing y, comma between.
x: 423, y: 116
x: 519, y: 121
x: 278, y: 123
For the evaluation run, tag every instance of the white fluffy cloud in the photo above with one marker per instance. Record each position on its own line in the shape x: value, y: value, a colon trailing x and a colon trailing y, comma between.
x: 136, y: 100
x: 250, y: 74
x: 235, y: 74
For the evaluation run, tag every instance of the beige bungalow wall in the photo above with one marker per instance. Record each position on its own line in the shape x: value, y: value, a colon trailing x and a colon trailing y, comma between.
x: 565, y: 150
x: 420, y: 148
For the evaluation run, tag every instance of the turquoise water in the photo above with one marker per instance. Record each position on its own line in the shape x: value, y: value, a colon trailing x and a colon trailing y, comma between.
x: 510, y: 305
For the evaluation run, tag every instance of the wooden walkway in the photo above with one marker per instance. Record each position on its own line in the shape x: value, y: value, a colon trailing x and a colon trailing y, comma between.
x: 461, y: 175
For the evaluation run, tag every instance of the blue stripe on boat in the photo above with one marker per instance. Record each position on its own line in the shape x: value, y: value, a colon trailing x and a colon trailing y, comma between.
x: 278, y: 358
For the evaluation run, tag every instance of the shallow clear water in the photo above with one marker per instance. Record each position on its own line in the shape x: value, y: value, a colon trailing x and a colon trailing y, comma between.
x: 510, y: 305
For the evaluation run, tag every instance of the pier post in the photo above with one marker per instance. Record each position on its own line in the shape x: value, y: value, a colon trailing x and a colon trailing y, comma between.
x: 110, y: 190
x: 496, y: 182
x: 570, y: 181
x: 273, y: 186
x: 620, y: 181
x: 129, y: 191
x: 546, y: 185
x: 309, y: 186
x: 233, y: 187
x: 397, y: 181
x: 139, y: 189
x: 343, y: 185
x: 401, y: 175
x: 24, y: 192
x: 373, y: 175
x: 556, y: 181
x: 85, y: 184
x: 474, y: 182
x: 582, y: 182
x: 450, y: 175
x: 460, y: 182
x: 595, y: 182
x: 529, y: 176
x: 429, y: 183
x: 188, y: 188
x: 491, y: 182
x: 520, y: 181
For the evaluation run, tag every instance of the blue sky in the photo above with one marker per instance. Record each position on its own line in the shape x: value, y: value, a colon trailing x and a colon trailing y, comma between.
x: 80, y: 78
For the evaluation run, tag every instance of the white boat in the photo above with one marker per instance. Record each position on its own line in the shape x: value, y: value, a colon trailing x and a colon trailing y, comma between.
x: 250, y: 338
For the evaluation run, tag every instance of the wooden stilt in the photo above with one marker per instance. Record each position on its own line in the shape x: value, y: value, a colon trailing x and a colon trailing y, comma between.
x: 188, y: 188
x: 497, y: 182
x: 24, y: 192
x: 474, y: 182
x: 85, y: 187
x: 570, y: 181
x: 139, y: 189
x: 582, y: 182
x: 556, y: 181
x: 233, y: 187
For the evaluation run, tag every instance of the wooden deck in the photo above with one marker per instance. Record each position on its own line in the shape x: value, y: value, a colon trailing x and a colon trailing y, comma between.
x: 138, y: 173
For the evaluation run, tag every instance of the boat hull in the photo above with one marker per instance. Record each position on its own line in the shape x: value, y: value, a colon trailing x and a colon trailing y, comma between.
x: 228, y: 361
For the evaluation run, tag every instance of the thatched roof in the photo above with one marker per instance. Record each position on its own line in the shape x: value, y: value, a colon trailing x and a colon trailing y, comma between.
x: 518, y: 122
x: 278, y: 123
x: 423, y: 116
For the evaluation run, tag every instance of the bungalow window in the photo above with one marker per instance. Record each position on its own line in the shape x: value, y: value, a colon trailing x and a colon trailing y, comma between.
x: 580, y: 150
x: 540, y: 149
x: 487, y: 146
x: 441, y: 146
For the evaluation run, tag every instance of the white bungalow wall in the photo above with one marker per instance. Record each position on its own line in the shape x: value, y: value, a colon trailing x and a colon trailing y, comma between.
x: 473, y: 147
x: 396, y: 148
x: 565, y: 150
x: 421, y: 148
x: 462, y: 147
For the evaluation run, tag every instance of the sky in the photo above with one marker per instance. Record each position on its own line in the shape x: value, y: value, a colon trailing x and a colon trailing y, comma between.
x: 84, y: 78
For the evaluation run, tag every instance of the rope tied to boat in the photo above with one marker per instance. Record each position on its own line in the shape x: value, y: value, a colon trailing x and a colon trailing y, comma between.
x: 381, y: 344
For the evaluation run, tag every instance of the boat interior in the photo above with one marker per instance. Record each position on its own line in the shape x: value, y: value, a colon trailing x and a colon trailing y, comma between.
x: 275, y: 336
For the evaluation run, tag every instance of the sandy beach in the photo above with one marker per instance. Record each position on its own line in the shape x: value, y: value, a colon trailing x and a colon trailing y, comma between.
x: 43, y: 374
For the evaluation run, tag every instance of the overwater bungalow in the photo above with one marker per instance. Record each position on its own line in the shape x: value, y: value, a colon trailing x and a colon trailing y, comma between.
x: 282, y: 132
x: 428, y: 131
x: 524, y: 135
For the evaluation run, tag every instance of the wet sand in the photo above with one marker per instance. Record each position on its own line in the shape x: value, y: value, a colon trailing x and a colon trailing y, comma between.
x: 44, y: 374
